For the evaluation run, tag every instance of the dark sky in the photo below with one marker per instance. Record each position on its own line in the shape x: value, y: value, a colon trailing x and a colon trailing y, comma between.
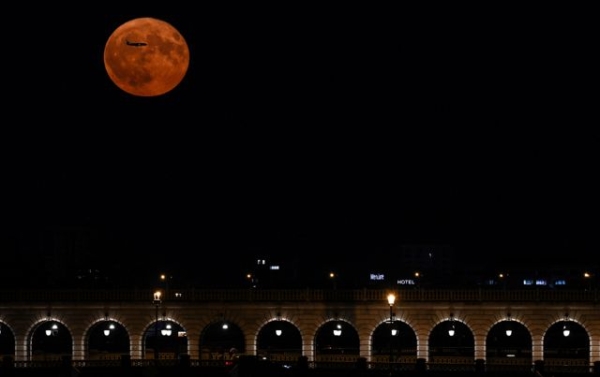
x: 322, y: 132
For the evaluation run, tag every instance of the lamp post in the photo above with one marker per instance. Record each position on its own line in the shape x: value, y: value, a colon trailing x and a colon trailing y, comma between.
x: 156, y: 301
x: 391, y: 298
x: 164, y: 278
x: 333, y: 278
x: 508, y: 330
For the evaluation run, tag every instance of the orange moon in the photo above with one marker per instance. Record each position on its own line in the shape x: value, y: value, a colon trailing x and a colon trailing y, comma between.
x: 146, y: 57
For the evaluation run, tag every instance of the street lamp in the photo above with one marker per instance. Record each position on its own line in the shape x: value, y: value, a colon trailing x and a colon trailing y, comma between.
x: 108, y: 329
x: 333, y: 278
x: 53, y: 330
x: 452, y: 328
x: 391, y: 298
x: 337, y: 331
x: 508, y: 326
x: 164, y: 278
x: 566, y: 331
x: 167, y: 331
x: 156, y: 301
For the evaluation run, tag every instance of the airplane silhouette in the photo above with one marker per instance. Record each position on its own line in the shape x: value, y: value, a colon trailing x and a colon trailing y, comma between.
x: 136, y: 44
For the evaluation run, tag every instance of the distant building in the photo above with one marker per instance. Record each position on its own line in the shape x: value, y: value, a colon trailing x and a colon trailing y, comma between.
x: 414, y: 265
x: 62, y: 256
x: 266, y: 273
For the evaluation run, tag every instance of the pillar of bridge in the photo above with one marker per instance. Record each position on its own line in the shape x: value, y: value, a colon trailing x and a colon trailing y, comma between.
x: 136, y: 346
x: 79, y: 346
x: 308, y: 347
x: 21, y: 347
x: 537, y: 347
x: 479, y: 340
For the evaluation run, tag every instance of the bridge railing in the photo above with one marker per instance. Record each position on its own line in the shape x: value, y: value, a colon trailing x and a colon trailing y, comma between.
x: 466, y: 367
x: 313, y: 295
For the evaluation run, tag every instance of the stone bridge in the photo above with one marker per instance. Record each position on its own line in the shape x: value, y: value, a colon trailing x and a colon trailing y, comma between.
x: 319, y: 325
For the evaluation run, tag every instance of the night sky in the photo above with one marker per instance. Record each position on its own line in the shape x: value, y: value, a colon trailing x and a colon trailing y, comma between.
x: 327, y: 134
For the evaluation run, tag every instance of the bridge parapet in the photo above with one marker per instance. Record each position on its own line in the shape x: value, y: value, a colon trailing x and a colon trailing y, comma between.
x: 313, y: 295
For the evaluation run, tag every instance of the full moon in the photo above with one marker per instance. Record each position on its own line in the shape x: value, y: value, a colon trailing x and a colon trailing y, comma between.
x: 146, y: 57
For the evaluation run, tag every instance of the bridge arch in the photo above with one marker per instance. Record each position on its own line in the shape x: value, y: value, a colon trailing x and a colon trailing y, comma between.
x: 105, y: 339
x: 50, y: 340
x: 279, y: 339
x: 364, y: 311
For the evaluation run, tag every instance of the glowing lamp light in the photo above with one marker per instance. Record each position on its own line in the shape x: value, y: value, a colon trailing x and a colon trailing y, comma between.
x: 394, y: 332
x: 508, y: 327
x: 452, y: 331
x: 166, y: 331
x: 566, y: 331
x: 278, y: 332
x: 391, y: 298
x: 52, y: 330
x: 107, y: 331
x: 338, y: 330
